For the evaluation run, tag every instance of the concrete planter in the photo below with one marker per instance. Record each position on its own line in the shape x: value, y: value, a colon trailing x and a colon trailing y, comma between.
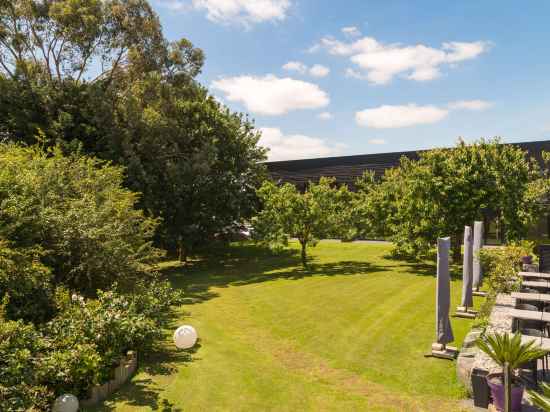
x: 124, y: 371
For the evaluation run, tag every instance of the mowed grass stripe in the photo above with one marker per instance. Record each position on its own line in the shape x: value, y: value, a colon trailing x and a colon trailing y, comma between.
x: 349, y: 333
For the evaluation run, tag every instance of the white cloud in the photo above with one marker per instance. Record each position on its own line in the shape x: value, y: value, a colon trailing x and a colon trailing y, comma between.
x: 459, y: 51
x: 295, y: 146
x: 271, y: 95
x: 244, y: 12
x: 325, y: 116
x: 377, y: 141
x: 471, y: 105
x: 295, y: 66
x: 313, y: 49
x: 391, y: 117
x: 319, y: 70
x: 380, y: 62
x: 354, y: 74
x: 179, y: 6
x: 351, y: 31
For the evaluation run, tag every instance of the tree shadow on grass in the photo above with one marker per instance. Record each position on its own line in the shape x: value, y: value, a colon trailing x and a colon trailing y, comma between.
x: 249, y: 264
x: 430, y: 269
x: 142, y: 391
x: 424, y: 267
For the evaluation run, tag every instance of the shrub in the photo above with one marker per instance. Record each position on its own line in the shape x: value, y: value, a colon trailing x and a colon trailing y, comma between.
x: 75, y: 263
x: 541, y: 400
x: 20, y: 347
x: 80, y: 346
x: 76, y: 209
x: 501, y: 266
x: 26, y: 283
x: 109, y: 323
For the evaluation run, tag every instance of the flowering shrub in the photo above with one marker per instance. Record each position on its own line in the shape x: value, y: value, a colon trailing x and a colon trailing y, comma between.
x: 110, y: 323
x: 79, y: 347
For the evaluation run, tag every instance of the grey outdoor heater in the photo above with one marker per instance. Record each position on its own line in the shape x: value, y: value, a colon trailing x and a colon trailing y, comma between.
x: 465, y: 308
x: 443, y: 329
x: 477, y: 270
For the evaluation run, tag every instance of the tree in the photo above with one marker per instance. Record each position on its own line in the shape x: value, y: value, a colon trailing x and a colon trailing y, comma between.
x: 286, y: 213
x: 98, y: 77
x: 196, y: 163
x: 88, y: 39
x: 446, y: 189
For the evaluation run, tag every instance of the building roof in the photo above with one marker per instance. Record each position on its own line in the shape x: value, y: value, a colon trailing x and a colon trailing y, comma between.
x: 346, y: 169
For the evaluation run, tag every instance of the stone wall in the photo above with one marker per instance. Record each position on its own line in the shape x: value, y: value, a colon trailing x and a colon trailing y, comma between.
x: 123, y: 372
x: 470, y: 356
x: 500, y: 321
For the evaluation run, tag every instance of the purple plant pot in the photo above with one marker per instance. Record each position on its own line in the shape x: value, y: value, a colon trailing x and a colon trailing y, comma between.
x: 527, y: 260
x: 494, y: 381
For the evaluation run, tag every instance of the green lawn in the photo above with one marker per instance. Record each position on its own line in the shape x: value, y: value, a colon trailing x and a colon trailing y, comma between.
x: 349, y: 333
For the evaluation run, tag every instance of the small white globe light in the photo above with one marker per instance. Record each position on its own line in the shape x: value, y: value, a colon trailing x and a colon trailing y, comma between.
x: 66, y: 403
x: 185, y: 337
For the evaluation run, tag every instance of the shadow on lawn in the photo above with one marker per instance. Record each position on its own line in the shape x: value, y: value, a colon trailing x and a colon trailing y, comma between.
x: 143, y: 391
x: 424, y: 267
x: 248, y: 264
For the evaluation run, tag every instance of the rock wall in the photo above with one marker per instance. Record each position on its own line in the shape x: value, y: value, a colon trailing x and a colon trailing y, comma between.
x: 123, y: 372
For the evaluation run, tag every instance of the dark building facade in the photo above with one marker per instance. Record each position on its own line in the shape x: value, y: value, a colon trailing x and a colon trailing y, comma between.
x: 346, y: 170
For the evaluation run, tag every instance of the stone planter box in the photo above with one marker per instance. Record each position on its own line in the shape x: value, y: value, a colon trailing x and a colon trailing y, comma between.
x: 124, y: 371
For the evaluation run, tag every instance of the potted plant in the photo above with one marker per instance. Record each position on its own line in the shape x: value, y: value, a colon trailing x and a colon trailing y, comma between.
x: 527, y: 259
x: 508, y: 352
x: 527, y: 249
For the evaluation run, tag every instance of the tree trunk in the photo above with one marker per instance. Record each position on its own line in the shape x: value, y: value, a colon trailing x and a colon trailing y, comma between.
x: 507, y: 388
x: 304, y: 253
x: 182, y: 253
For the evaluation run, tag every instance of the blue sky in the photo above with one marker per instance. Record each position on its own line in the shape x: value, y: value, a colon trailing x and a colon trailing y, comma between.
x: 373, y: 76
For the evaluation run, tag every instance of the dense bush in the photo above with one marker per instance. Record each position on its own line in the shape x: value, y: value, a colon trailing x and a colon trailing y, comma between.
x: 77, y: 288
x: 501, y: 266
x: 25, y: 283
x: 20, y: 356
x: 75, y: 209
x: 79, y: 347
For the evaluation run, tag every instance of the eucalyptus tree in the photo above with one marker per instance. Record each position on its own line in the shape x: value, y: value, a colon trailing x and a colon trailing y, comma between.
x: 88, y: 39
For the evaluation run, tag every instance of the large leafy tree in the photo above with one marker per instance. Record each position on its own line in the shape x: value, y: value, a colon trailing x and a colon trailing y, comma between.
x: 318, y: 213
x: 196, y: 163
x: 98, y: 76
x: 446, y: 189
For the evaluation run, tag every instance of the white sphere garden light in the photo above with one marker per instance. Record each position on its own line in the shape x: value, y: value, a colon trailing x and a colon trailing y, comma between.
x: 66, y: 403
x: 185, y: 337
